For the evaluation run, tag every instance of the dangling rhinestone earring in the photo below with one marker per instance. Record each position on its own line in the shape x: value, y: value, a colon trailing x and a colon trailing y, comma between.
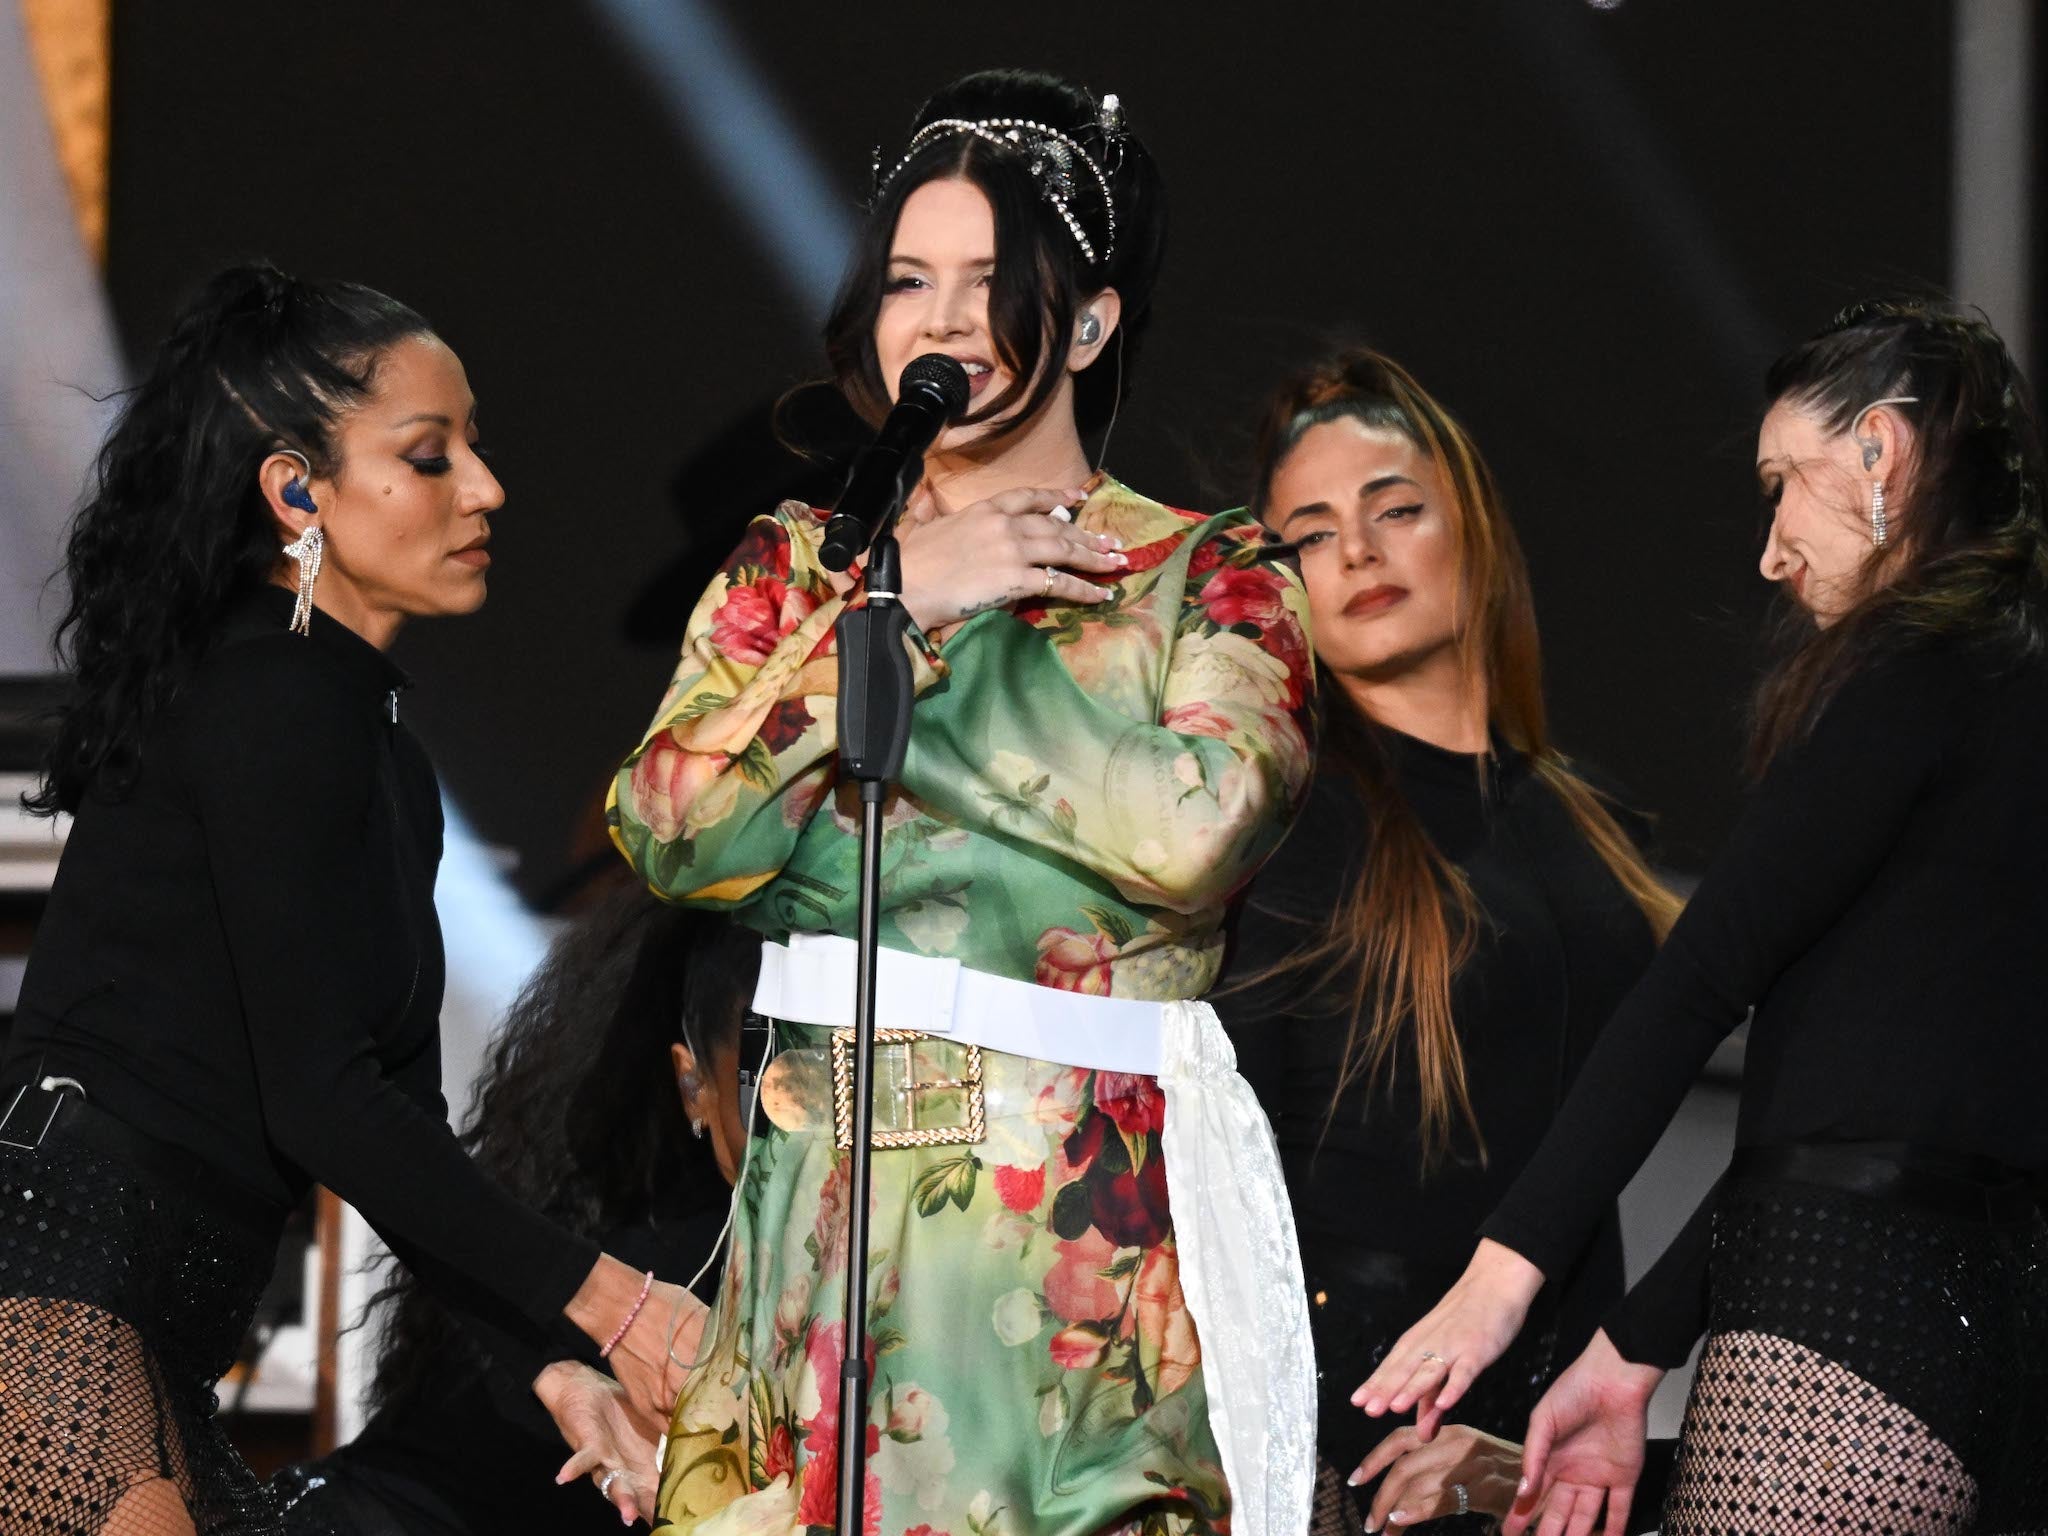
x: 306, y: 549
x: 1879, y: 530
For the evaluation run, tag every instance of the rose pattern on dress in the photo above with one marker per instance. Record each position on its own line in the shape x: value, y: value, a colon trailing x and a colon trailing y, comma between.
x: 1079, y: 823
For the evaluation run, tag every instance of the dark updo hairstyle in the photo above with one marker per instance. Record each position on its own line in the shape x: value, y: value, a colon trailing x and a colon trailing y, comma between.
x: 175, y: 524
x: 1042, y: 276
x: 1971, y: 559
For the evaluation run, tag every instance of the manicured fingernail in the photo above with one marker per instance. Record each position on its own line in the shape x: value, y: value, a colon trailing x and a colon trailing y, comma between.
x: 1522, y: 1487
x: 1398, y: 1517
x: 625, y: 1517
x: 1105, y: 593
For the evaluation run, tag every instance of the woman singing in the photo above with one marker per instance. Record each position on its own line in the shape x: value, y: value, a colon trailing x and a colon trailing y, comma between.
x: 1086, y: 1308
x: 236, y: 985
x: 1421, y: 968
x: 1872, y: 1274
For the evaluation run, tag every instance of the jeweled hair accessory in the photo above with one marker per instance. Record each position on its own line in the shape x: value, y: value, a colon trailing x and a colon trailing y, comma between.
x: 1058, y: 163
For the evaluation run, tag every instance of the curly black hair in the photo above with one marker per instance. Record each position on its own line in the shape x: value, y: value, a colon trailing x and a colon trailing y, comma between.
x: 174, y: 525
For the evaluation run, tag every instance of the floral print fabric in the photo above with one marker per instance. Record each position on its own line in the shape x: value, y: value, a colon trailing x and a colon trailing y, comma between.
x: 1085, y: 788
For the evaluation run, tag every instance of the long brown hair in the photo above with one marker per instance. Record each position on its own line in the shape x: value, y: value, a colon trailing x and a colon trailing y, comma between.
x: 1972, y: 557
x: 1409, y: 923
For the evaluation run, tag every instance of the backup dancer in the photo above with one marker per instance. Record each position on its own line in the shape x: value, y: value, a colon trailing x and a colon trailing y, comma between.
x: 1872, y: 1274
x: 1421, y: 969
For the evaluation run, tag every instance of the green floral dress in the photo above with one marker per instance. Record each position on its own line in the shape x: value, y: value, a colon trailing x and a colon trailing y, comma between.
x: 1085, y: 789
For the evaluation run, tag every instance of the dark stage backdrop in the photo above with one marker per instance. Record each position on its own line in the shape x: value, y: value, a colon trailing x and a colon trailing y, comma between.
x: 1587, y: 230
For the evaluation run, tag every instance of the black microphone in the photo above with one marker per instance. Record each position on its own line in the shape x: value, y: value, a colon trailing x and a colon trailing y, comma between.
x: 932, y: 391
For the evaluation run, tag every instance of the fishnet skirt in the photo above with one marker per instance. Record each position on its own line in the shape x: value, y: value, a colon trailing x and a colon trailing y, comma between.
x: 1876, y: 1362
x: 123, y: 1299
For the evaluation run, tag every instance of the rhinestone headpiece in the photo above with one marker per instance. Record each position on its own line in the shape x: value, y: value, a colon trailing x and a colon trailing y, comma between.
x: 1058, y: 163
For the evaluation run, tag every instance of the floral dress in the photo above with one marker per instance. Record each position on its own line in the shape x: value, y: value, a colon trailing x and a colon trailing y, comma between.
x: 1086, y: 786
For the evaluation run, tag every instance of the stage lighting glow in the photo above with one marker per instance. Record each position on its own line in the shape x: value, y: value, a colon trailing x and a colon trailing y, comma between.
x: 719, y: 104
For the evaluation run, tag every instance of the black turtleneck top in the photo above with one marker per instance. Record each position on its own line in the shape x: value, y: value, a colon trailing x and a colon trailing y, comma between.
x: 1559, y: 943
x: 1881, y: 903
x: 240, y: 957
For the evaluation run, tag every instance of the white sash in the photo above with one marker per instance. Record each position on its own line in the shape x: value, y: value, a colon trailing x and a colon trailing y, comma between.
x: 1240, y: 1267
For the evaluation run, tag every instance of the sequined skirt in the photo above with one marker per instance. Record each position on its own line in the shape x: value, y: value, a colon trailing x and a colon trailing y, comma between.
x: 124, y: 1296
x: 1924, y: 1277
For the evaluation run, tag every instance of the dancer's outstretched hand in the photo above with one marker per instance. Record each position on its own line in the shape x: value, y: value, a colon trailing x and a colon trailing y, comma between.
x: 1585, y: 1446
x: 590, y: 1410
x: 1423, y: 1477
x: 1432, y: 1364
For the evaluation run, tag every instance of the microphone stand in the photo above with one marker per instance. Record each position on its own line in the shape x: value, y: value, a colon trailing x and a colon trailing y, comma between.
x: 875, y: 698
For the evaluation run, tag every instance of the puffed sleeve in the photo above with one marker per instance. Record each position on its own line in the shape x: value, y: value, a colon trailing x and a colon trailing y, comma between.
x: 749, y: 716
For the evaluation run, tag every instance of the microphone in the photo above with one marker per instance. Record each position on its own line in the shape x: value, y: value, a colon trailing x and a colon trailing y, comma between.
x: 932, y: 391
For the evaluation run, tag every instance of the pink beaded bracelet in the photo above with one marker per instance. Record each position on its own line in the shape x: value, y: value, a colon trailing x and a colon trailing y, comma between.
x: 612, y: 1343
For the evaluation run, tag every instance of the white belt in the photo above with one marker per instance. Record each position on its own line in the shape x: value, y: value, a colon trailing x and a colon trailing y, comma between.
x: 1233, y: 1226
x: 809, y: 980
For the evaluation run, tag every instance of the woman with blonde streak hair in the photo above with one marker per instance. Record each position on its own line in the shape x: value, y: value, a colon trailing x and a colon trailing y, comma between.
x: 1421, y: 968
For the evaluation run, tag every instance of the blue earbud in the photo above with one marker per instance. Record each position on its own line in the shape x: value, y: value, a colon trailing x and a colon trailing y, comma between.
x: 295, y: 494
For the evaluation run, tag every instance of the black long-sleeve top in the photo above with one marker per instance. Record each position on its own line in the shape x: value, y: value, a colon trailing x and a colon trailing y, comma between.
x: 471, y: 1451
x: 1881, y: 903
x: 1558, y: 944
x: 240, y: 957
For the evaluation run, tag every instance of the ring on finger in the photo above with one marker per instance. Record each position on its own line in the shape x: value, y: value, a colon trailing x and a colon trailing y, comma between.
x: 1430, y: 1354
x: 1464, y: 1497
x: 604, y: 1484
x: 1047, y: 591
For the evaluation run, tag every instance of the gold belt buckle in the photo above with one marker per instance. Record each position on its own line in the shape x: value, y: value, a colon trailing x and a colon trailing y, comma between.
x: 974, y: 1130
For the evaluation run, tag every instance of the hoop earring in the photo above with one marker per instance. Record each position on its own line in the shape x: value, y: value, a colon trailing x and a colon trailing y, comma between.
x: 1880, y: 529
x: 306, y: 549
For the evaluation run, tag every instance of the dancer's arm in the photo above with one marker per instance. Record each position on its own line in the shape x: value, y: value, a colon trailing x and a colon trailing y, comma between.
x: 1821, y: 824
x: 286, y: 764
